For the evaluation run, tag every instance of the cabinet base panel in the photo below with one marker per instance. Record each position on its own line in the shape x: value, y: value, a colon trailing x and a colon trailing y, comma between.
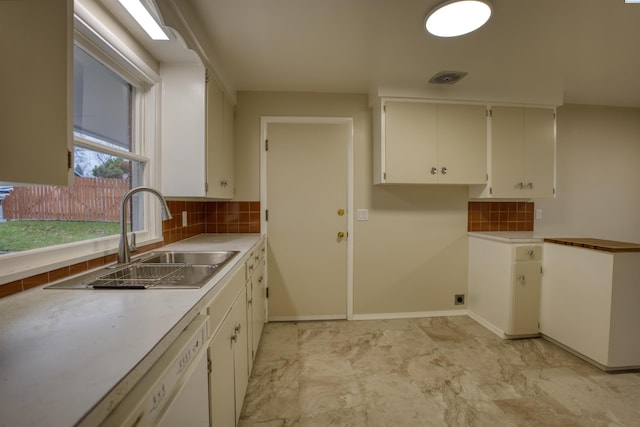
x: 589, y: 360
x: 499, y: 332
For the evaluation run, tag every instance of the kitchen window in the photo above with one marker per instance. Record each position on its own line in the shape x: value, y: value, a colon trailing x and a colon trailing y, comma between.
x: 113, y: 136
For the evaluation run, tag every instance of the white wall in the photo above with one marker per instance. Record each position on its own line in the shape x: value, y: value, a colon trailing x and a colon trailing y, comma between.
x: 411, y: 256
x: 598, y: 175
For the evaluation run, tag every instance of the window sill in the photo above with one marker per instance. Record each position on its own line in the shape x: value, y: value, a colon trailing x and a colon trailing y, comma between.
x: 21, y: 265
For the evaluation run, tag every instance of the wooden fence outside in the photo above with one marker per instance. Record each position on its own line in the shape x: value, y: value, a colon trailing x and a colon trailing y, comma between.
x: 88, y: 199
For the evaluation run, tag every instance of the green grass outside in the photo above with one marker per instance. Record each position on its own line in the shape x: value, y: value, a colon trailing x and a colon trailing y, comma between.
x: 24, y: 235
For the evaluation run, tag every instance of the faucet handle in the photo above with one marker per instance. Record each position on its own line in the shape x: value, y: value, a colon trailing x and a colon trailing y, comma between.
x: 132, y: 246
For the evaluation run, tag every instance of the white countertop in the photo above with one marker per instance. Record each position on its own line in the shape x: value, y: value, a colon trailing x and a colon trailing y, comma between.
x: 508, y: 236
x: 63, y: 351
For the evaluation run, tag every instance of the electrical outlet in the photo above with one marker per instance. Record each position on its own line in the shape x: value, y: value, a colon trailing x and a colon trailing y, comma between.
x: 363, y: 214
x: 538, y: 214
x: 184, y: 218
x: 458, y: 299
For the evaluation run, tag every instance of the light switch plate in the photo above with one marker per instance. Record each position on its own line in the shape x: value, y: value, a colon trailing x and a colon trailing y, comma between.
x: 184, y: 218
x: 538, y: 214
x: 363, y: 215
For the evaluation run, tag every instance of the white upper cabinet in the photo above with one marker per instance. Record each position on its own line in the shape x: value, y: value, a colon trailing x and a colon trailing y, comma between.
x: 522, y: 162
x: 36, y: 101
x: 420, y: 142
x: 220, y: 170
x: 197, y: 134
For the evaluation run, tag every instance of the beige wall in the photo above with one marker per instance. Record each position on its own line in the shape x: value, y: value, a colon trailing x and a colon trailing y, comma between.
x: 411, y: 256
x: 598, y: 175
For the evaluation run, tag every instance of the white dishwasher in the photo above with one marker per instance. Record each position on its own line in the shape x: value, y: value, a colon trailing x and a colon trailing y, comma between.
x: 175, y: 391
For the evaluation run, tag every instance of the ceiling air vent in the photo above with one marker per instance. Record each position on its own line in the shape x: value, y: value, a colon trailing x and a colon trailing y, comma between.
x: 447, y: 77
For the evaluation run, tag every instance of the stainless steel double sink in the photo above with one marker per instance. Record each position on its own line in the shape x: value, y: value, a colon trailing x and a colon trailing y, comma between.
x: 156, y: 270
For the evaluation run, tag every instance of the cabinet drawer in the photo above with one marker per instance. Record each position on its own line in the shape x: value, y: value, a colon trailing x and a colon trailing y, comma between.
x: 219, y: 307
x: 528, y: 253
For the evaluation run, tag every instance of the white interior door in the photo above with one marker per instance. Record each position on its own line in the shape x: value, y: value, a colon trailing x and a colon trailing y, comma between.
x: 307, y: 197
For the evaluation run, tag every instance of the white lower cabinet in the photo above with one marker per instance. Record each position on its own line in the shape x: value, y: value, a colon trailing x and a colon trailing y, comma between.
x: 236, y: 316
x: 590, y: 301
x: 256, y: 300
x: 229, y: 371
x: 504, y: 286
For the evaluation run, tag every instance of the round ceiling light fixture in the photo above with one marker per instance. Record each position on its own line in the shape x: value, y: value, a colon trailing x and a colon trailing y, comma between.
x: 457, y: 17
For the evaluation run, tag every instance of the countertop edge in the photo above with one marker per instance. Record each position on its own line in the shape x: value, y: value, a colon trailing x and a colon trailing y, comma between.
x: 602, y: 245
x: 507, y: 237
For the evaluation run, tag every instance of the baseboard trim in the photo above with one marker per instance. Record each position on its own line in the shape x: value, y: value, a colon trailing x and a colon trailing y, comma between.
x: 410, y: 315
x: 486, y: 324
x: 307, y: 318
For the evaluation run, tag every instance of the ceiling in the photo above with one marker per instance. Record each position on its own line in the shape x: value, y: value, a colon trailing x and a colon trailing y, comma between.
x: 531, y: 51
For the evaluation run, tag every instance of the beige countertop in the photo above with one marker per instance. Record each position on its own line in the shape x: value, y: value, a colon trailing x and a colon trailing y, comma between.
x: 71, y: 355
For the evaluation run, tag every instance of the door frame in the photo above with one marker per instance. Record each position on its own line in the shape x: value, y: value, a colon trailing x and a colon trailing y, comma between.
x: 264, y: 123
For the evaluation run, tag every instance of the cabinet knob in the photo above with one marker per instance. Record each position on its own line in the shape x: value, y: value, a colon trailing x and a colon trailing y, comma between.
x: 530, y: 253
x: 250, y: 301
x: 434, y: 170
x: 522, y: 279
x: 443, y: 170
x: 530, y: 185
x: 520, y: 185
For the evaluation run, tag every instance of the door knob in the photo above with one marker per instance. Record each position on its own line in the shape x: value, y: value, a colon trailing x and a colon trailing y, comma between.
x: 340, y: 212
x: 341, y: 234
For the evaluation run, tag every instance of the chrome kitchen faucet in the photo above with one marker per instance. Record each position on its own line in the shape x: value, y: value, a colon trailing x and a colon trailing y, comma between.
x: 124, y: 255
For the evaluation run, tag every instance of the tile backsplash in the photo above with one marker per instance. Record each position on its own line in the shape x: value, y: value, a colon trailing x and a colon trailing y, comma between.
x: 500, y: 216
x: 210, y: 217
x: 202, y: 217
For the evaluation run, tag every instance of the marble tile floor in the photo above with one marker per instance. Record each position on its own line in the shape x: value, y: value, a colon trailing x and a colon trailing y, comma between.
x: 441, y: 371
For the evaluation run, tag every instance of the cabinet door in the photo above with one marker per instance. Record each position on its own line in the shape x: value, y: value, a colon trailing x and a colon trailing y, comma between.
x: 462, y: 144
x: 183, y: 129
x: 258, y: 309
x: 411, y: 142
x: 222, y: 376
x: 219, y: 142
x: 539, y: 152
x: 507, y: 151
x: 36, y: 101
x: 238, y: 315
x: 226, y: 150
x: 525, y: 309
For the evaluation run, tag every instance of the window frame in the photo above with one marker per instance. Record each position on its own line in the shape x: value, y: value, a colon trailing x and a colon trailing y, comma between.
x: 96, y: 39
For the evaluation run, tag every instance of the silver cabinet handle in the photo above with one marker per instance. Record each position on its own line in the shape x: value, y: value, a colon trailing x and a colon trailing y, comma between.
x: 521, y: 278
x: 530, y: 185
x: 520, y: 185
x: 434, y: 170
x: 530, y: 253
x: 443, y: 170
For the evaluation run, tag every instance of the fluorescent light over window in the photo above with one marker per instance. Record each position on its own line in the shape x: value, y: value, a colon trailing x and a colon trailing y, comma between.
x: 144, y: 18
x: 457, y: 17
